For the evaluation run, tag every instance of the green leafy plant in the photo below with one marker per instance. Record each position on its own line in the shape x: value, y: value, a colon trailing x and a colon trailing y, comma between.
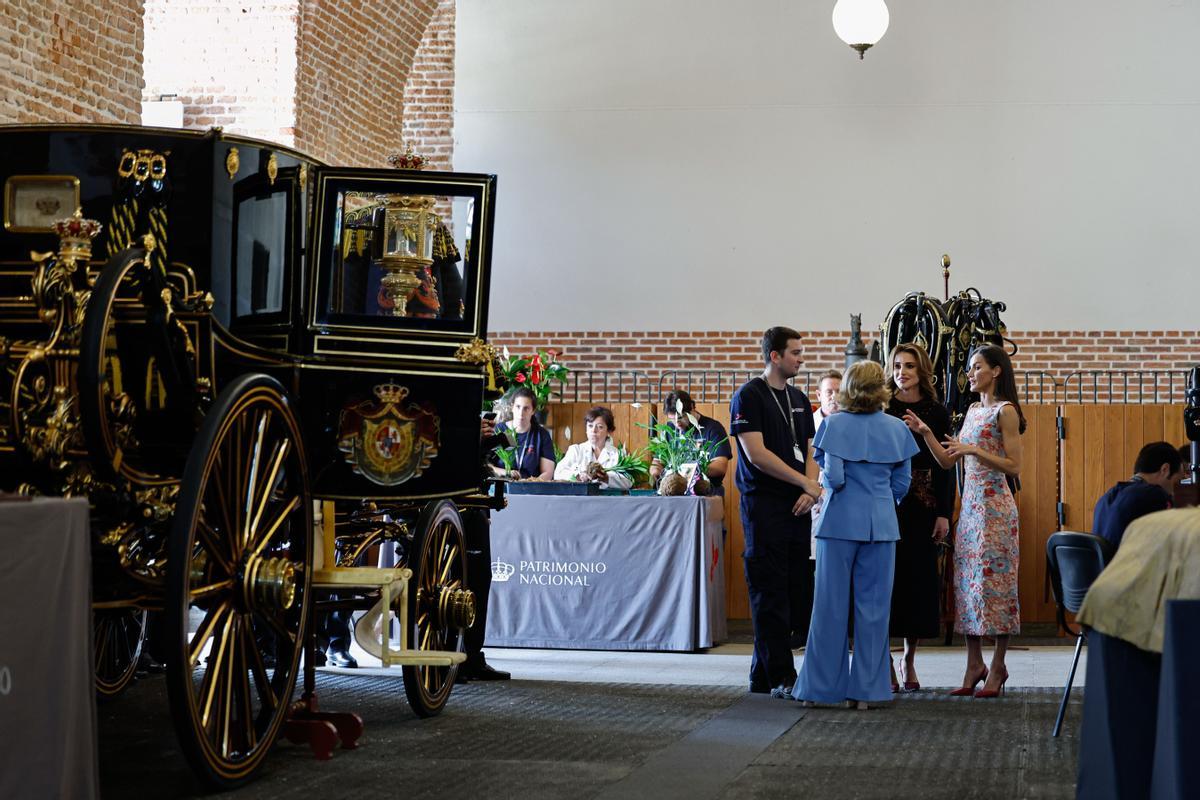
x: 673, y: 448
x: 507, y: 455
x: 633, y: 466
x: 538, y: 372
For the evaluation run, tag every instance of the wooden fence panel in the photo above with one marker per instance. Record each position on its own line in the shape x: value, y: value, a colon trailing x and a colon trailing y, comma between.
x: 737, y: 596
x: 1037, y: 504
x: 1101, y: 445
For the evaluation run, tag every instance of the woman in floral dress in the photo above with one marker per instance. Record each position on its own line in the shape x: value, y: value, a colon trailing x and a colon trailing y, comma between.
x: 986, y: 538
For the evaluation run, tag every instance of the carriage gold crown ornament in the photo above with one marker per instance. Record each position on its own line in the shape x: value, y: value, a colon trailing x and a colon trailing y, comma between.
x: 407, y: 225
x: 75, y: 236
x: 386, y: 442
x: 409, y: 160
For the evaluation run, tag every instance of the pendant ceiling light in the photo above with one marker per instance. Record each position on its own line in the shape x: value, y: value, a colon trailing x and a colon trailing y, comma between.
x: 860, y: 23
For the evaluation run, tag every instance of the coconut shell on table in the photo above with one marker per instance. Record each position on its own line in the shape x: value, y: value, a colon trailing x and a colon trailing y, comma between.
x: 596, y: 472
x: 672, y: 485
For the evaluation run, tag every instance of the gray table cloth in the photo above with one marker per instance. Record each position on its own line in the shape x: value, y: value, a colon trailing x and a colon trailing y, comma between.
x: 47, y: 700
x: 608, y: 573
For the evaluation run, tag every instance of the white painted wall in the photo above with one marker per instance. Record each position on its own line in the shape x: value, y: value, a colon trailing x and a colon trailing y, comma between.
x: 730, y: 155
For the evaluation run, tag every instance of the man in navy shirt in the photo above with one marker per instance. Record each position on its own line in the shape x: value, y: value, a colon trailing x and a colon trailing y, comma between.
x: 678, y: 408
x: 1156, y: 473
x: 777, y: 478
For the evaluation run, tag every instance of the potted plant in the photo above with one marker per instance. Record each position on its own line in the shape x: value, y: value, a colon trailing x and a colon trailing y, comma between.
x: 673, y: 449
x: 632, y: 465
x: 538, y: 372
x: 507, y: 455
x: 684, y: 455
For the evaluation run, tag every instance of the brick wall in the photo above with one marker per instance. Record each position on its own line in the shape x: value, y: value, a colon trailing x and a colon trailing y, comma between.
x: 429, y: 92
x: 66, y: 62
x: 230, y: 63
x: 1057, y: 354
x: 330, y: 79
x: 354, y: 62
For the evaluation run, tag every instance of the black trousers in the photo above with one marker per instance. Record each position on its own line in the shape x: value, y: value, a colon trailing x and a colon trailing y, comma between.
x: 779, y: 577
x: 801, y: 585
x: 477, y: 533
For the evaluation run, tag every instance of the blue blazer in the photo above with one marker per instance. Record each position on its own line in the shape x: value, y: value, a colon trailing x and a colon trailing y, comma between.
x: 865, y: 463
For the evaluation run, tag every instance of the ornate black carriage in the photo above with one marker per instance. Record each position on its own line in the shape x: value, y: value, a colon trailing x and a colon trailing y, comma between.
x: 226, y: 340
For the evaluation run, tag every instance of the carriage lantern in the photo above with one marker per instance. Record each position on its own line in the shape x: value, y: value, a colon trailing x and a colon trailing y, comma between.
x: 406, y: 224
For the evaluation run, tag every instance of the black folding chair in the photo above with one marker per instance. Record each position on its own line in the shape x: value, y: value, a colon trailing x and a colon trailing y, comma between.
x: 1075, y: 561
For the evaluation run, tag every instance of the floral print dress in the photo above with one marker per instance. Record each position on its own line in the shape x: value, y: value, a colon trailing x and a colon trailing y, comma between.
x: 986, y: 538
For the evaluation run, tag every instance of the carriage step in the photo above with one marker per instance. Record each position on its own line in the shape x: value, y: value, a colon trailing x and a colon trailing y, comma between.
x: 426, y: 658
x: 359, y: 576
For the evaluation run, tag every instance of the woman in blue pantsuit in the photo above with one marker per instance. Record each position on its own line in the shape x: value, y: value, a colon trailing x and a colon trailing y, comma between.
x: 864, y: 455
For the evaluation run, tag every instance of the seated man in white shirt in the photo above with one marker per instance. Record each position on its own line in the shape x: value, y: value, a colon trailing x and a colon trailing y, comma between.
x: 599, y: 450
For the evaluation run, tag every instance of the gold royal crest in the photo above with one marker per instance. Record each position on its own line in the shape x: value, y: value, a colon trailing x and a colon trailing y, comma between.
x: 388, y: 443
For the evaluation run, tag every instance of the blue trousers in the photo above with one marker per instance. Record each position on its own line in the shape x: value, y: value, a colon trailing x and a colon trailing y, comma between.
x: 828, y: 674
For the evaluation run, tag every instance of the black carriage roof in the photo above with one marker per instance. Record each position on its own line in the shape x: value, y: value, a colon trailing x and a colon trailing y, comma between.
x: 106, y: 127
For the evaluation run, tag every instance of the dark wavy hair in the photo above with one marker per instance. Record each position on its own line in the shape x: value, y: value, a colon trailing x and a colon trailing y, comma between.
x: 924, y: 370
x: 1006, y: 382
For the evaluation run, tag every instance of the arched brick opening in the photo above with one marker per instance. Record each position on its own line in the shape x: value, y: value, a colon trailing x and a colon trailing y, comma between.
x: 353, y: 66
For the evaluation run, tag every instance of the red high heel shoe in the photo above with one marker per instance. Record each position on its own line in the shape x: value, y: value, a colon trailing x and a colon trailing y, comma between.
x: 969, y: 691
x: 994, y: 693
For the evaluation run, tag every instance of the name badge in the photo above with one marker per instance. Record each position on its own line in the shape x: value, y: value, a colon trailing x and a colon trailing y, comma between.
x: 798, y: 453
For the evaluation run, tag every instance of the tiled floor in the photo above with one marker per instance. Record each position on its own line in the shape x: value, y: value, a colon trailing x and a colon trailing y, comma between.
x: 729, y: 665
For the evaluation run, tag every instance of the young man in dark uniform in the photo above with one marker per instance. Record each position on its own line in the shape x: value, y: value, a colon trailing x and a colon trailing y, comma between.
x: 710, y: 431
x: 1156, y: 473
x: 777, y: 477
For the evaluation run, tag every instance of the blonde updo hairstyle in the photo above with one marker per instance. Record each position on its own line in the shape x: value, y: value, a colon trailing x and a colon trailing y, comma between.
x: 864, y: 388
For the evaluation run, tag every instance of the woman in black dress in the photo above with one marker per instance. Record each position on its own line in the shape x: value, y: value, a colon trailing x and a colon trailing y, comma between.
x: 924, y: 513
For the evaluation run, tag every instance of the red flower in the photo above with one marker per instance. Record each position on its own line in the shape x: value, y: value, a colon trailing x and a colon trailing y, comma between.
x: 553, y: 354
x: 537, y: 370
x: 520, y: 378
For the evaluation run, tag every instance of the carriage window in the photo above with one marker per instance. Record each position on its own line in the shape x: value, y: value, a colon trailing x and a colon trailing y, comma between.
x: 260, y: 251
x: 402, y: 256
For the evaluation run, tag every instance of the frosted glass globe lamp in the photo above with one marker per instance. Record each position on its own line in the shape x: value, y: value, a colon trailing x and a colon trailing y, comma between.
x: 860, y: 23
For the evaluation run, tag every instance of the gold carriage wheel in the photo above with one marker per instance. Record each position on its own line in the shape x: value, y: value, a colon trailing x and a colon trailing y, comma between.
x: 438, y: 560
x: 117, y: 638
x: 101, y: 398
x: 238, y: 580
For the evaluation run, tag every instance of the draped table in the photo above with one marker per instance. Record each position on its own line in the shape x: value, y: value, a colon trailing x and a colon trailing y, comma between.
x: 1140, y: 728
x: 47, y: 695
x: 608, y: 573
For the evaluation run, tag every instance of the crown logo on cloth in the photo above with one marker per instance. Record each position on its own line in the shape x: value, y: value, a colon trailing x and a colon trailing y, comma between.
x: 502, y: 571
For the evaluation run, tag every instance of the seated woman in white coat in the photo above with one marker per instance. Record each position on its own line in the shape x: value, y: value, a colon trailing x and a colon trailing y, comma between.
x: 864, y: 457
x: 598, y: 449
